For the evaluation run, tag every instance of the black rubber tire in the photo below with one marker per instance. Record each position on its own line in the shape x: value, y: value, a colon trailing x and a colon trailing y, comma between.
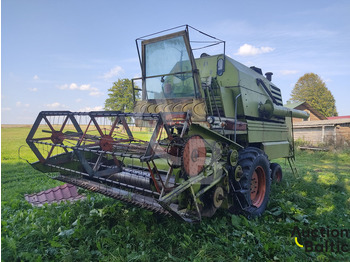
x: 276, y: 172
x: 248, y: 200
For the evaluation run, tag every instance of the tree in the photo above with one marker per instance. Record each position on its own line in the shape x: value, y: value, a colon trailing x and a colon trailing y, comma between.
x: 120, y: 96
x: 313, y: 90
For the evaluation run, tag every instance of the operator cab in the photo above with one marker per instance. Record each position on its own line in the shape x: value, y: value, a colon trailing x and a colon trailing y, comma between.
x: 168, y: 68
x: 171, y: 81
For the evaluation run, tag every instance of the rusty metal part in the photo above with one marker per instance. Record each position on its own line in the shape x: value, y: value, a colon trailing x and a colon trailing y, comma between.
x: 57, y: 137
x: 106, y: 143
x: 194, y: 155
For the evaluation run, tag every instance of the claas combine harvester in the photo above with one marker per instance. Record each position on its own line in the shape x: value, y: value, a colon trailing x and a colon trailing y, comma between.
x: 201, y: 137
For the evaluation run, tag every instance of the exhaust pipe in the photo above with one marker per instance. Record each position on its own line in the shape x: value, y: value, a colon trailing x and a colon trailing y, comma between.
x: 269, y: 76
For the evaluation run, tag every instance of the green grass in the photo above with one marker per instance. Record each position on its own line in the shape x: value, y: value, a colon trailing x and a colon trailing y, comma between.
x: 103, y: 229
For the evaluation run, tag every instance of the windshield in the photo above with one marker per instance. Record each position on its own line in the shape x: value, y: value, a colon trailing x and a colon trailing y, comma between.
x: 168, y: 69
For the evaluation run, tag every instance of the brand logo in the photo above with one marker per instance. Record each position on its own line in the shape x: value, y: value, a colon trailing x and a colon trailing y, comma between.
x: 323, y: 239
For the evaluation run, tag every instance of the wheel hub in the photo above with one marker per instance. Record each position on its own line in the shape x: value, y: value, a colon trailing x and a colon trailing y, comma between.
x: 57, y: 137
x: 106, y: 143
x: 218, y: 197
x: 258, y: 186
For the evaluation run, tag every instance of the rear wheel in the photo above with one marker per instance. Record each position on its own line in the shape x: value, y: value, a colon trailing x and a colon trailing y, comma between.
x: 276, y: 172
x: 251, y: 184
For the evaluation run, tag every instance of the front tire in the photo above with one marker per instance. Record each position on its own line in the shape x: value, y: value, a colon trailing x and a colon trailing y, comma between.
x: 251, y: 188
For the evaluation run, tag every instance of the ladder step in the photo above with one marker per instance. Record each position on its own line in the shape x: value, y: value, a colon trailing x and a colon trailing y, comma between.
x: 293, y: 167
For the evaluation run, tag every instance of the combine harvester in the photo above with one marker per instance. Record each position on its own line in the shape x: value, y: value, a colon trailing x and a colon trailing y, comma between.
x: 213, y: 126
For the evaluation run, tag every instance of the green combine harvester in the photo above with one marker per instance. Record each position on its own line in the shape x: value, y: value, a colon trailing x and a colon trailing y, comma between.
x: 203, y: 135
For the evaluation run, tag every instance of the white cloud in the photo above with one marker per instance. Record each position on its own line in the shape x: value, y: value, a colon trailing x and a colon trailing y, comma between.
x: 288, y: 72
x: 20, y: 104
x: 36, y: 77
x: 96, y: 93
x: 73, y: 86
x: 88, y: 109
x: 33, y: 89
x: 56, y: 105
x: 78, y: 100
x: 85, y: 87
x: 115, y: 71
x: 247, y: 50
x: 6, y: 109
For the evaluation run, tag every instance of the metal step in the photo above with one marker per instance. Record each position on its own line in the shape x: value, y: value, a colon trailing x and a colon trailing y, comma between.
x: 293, y: 167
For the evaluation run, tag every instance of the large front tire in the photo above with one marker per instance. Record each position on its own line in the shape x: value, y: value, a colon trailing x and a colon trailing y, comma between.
x: 251, y: 185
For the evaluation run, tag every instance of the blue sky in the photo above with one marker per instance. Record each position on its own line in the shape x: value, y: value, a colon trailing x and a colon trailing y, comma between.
x: 65, y: 55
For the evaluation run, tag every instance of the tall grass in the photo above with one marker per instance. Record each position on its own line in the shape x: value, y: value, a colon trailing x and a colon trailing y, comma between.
x: 103, y: 229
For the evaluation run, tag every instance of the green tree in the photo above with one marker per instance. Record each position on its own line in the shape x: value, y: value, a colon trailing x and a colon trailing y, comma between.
x: 120, y: 96
x: 313, y: 90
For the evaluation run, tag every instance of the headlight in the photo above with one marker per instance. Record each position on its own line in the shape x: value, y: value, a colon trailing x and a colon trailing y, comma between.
x: 211, y: 120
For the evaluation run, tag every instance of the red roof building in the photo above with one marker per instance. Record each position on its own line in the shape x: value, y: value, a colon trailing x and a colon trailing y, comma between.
x: 337, y: 117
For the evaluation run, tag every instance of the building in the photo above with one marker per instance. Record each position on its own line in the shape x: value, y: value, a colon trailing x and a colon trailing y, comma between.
x: 319, y: 130
x: 304, y: 106
x: 333, y: 132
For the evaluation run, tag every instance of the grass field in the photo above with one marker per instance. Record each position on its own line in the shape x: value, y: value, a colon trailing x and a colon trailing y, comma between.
x: 103, y: 229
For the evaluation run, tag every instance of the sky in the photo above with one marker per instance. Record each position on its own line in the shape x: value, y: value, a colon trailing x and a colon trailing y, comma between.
x: 65, y: 55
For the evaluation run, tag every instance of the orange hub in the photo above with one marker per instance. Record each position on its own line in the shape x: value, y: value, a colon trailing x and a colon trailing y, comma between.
x: 278, y: 176
x: 258, y: 186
